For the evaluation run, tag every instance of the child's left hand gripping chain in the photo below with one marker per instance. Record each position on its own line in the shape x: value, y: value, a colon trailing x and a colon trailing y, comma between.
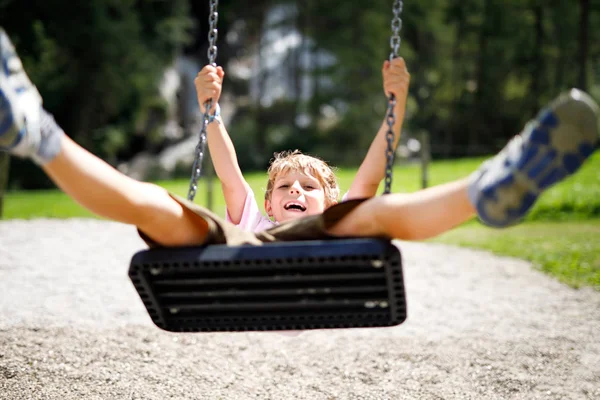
x: 396, y: 79
x: 209, y: 83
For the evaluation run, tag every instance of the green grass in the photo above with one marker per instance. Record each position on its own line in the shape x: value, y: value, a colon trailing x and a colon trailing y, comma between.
x: 569, y: 251
x: 561, y: 235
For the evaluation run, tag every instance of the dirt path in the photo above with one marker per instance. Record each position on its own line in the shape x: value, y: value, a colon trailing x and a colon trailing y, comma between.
x: 479, y: 327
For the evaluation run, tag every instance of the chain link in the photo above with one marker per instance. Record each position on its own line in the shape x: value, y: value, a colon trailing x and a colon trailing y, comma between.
x: 213, y: 32
x: 391, y: 116
x: 396, y: 26
x: 212, y: 57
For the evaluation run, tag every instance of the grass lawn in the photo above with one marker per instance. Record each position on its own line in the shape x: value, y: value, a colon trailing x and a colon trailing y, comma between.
x: 561, y: 235
x: 570, y: 251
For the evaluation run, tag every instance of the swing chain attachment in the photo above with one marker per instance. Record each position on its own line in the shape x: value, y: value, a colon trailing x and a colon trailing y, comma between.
x: 213, y: 33
x: 396, y: 26
x: 212, y: 57
x: 391, y: 117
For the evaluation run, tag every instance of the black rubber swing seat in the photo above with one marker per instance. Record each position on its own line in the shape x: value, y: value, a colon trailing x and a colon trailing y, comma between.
x: 348, y: 283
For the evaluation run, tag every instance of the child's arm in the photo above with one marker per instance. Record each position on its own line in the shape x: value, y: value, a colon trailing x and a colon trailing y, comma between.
x: 372, y: 170
x: 235, y: 188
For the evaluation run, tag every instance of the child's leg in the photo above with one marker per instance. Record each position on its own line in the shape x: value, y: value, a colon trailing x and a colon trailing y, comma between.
x: 29, y: 131
x: 414, y: 216
x: 550, y: 148
x: 108, y: 193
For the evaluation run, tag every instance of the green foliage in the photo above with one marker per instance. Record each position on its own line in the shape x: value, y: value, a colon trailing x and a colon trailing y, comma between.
x: 98, y: 63
x: 4, y: 164
x: 479, y: 69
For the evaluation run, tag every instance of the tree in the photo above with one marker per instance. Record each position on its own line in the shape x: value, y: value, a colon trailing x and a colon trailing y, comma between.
x: 4, y: 168
x: 98, y: 64
x: 584, y: 22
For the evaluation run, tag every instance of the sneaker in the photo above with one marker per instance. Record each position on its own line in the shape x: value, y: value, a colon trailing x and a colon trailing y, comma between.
x: 551, y: 147
x: 20, y: 104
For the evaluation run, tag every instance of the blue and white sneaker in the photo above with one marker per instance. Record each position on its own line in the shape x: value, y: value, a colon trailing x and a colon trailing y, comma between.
x: 551, y: 147
x: 26, y: 130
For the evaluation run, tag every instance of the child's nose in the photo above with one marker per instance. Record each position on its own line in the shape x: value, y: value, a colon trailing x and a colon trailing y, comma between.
x: 296, y: 187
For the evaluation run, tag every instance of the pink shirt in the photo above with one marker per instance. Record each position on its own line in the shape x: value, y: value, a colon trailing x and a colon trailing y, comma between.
x: 253, y: 219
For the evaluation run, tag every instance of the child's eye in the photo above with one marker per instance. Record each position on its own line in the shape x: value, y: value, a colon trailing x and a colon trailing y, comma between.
x: 284, y: 186
x: 309, y: 187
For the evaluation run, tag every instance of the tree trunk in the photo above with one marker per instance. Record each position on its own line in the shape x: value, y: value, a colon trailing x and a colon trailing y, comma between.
x: 297, y: 69
x: 480, y: 93
x: 262, y: 122
x: 584, y: 20
x: 4, y: 166
x: 458, y: 72
x: 538, y: 60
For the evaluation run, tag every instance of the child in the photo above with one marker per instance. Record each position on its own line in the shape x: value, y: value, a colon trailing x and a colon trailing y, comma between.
x: 302, y: 193
x: 317, y: 187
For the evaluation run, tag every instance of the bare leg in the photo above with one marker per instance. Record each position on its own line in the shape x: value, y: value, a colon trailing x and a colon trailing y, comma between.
x: 501, y: 192
x: 414, y: 216
x: 106, y: 192
x: 27, y: 130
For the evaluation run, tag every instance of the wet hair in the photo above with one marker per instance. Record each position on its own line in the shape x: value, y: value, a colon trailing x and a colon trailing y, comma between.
x: 295, y: 160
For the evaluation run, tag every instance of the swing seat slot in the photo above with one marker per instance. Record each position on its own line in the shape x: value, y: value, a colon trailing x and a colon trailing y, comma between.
x: 348, y: 283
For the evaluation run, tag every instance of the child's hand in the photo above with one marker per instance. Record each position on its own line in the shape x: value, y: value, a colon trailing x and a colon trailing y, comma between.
x: 208, y: 83
x: 395, y: 80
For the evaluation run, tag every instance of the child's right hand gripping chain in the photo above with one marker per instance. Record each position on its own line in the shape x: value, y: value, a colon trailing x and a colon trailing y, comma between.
x: 395, y: 81
x: 209, y: 82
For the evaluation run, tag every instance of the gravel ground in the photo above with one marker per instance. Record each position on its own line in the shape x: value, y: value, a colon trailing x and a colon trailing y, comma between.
x: 479, y: 327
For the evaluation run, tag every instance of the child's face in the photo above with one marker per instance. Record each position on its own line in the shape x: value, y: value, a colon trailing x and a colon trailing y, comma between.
x: 295, y: 195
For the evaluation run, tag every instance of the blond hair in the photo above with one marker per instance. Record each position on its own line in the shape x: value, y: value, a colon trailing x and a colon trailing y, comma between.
x: 286, y: 161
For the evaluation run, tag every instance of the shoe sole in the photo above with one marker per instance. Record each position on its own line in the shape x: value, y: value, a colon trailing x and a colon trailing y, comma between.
x: 6, y: 99
x: 11, y: 117
x: 8, y: 139
x: 561, y: 138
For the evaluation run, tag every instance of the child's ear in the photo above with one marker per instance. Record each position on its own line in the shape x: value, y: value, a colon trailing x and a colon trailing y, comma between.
x: 268, y: 208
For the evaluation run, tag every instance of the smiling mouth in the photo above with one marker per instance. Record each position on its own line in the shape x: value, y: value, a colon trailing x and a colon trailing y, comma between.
x: 295, y: 207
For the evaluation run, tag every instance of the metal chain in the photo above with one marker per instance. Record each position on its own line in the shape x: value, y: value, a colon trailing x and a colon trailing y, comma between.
x: 396, y: 26
x: 212, y: 57
x: 391, y: 117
